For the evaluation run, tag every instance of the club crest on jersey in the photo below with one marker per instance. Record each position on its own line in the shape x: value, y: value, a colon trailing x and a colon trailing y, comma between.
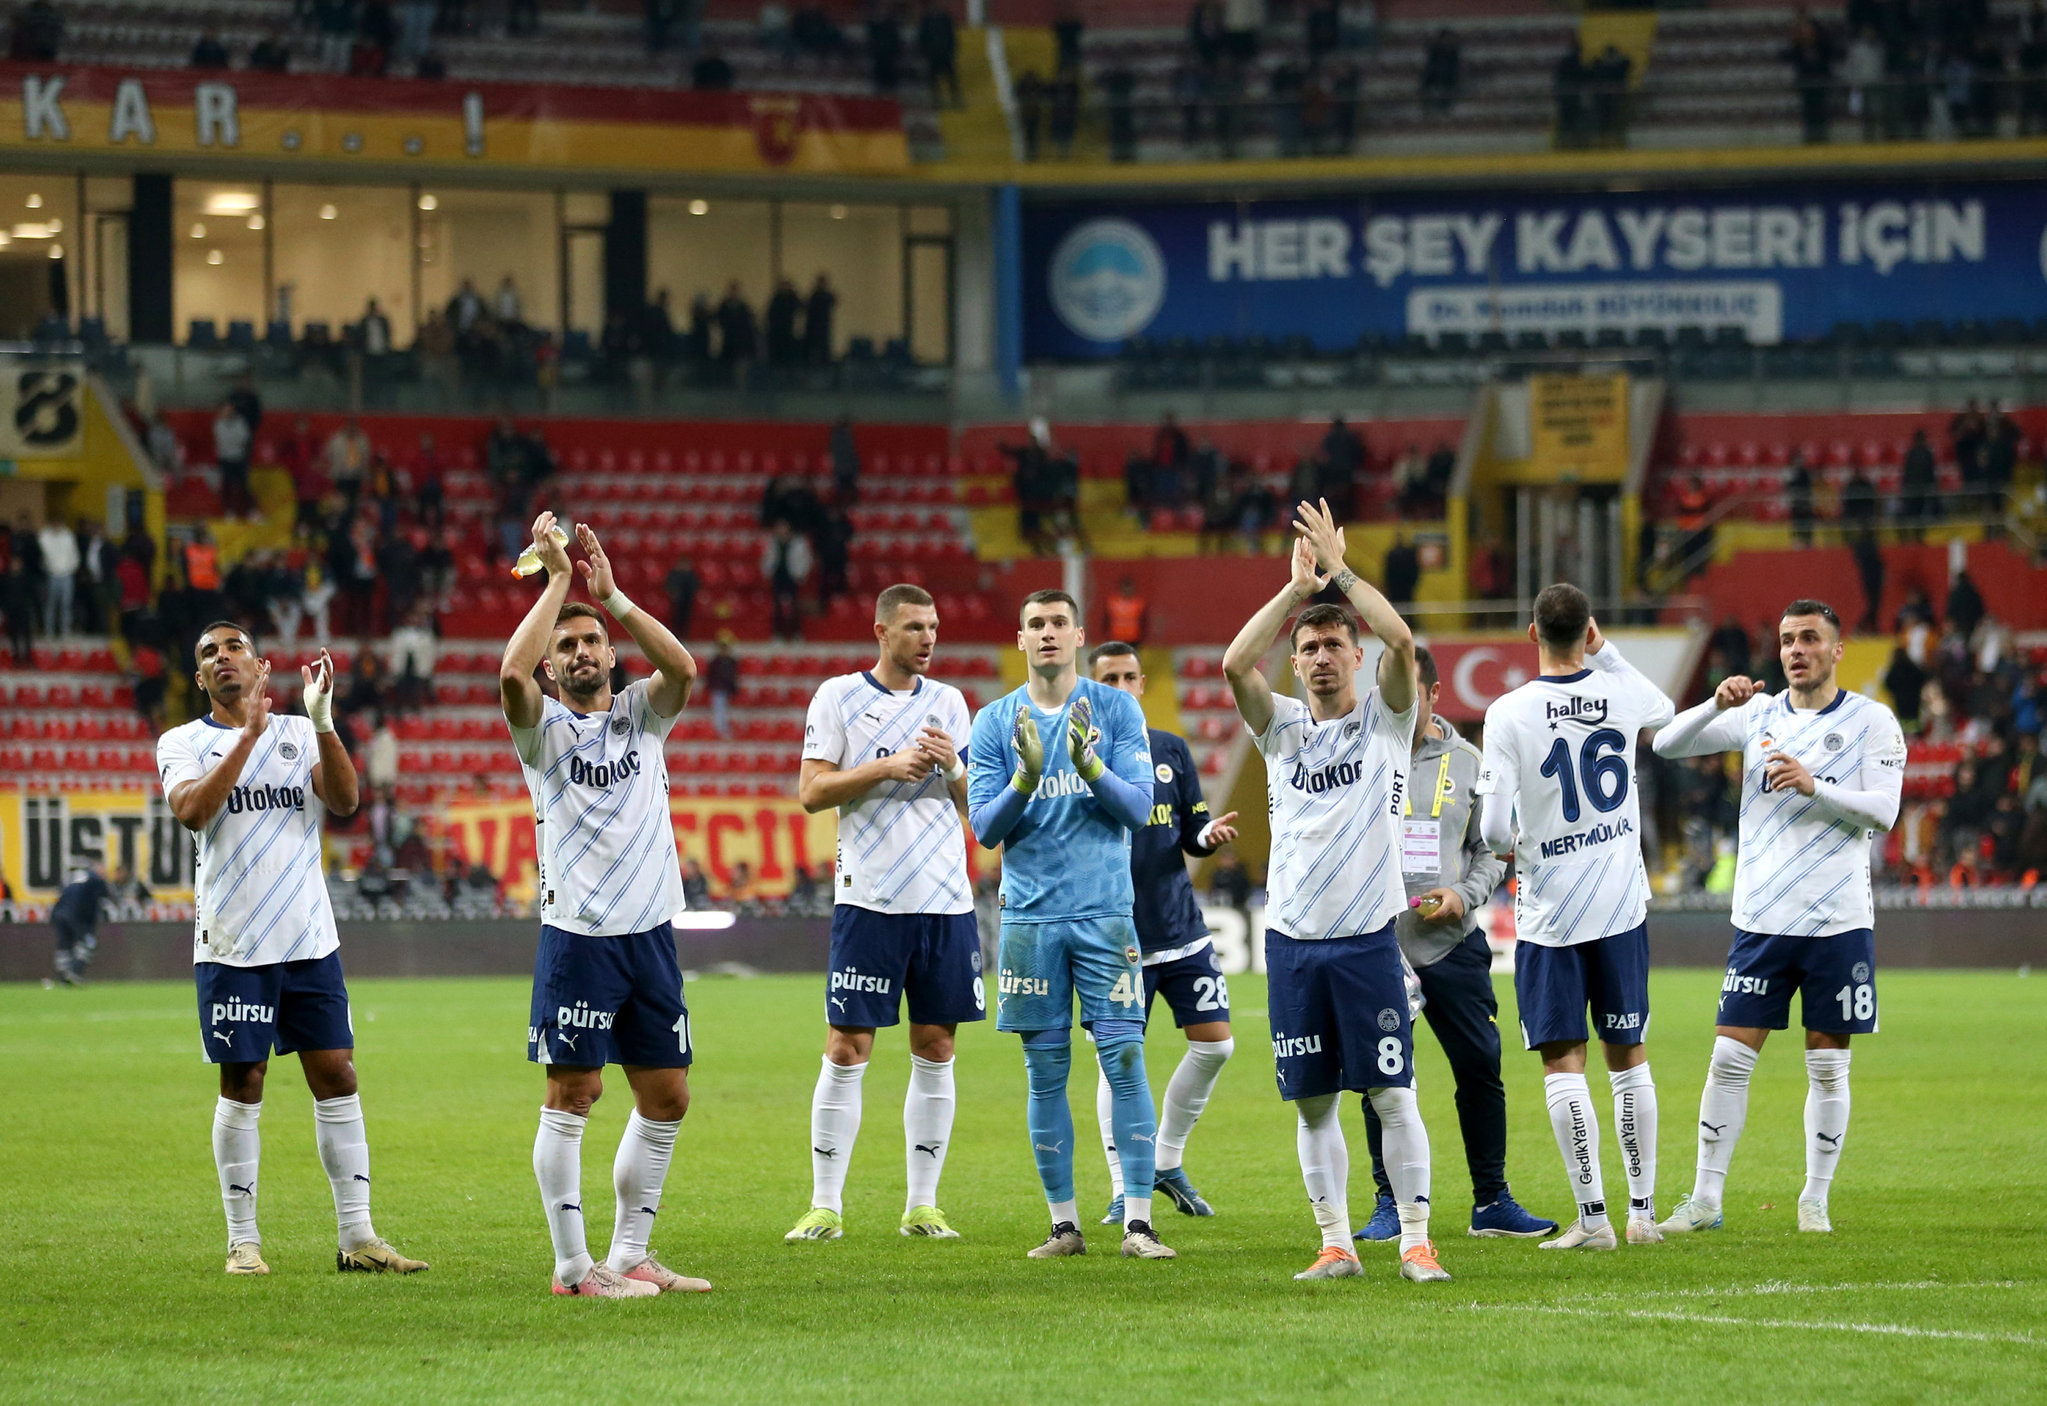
x: 1835, y: 741
x: 1579, y: 710
x: 620, y: 726
x: 288, y: 750
x: 1164, y: 773
x: 1352, y: 729
x: 1389, y: 1020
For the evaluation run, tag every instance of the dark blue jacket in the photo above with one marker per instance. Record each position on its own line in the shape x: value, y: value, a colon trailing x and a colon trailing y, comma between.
x: 79, y: 904
x: 1166, y: 914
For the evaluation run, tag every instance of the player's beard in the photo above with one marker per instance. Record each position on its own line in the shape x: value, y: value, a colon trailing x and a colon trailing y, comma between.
x: 575, y: 688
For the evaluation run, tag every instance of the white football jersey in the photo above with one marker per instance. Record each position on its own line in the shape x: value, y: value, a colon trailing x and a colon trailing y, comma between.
x: 262, y: 896
x: 1560, y: 750
x: 1799, y: 871
x: 902, y: 848
x: 604, y: 833
x: 1334, y: 790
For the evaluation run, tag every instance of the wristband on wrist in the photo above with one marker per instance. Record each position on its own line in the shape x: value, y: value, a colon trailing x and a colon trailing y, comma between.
x: 619, y: 604
x: 957, y: 771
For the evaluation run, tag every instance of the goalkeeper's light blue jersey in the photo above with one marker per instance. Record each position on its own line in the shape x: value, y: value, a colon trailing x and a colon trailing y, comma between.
x: 1067, y: 857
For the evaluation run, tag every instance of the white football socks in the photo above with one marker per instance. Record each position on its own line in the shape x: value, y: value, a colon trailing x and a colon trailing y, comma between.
x: 237, y: 1148
x: 1634, y: 1127
x: 1105, y: 1116
x: 1577, y: 1131
x: 558, y: 1167
x: 927, y: 1128
x: 1404, y: 1147
x: 1826, y: 1119
x: 1723, y: 1112
x: 637, y: 1175
x: 834, y: 1125
x: 345, y: 1153
x: 1187, y: 1095
x: 1325, y: 1167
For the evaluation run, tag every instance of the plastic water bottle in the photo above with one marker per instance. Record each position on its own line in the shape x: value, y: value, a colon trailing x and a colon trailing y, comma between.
x: 529, y: 560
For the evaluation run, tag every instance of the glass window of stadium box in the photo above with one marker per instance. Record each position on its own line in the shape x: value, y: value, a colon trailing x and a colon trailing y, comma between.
x: 859, y: 248
x: 219, y: 253
x: 483, y: 235
x: 699, y: 244
x: 38, y: 243
x: 338, y: 246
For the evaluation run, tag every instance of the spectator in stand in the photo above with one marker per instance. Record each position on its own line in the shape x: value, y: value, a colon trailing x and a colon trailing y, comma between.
x: 785, y: 565
x: 1863, y: 71
x: 415, y: 649
x: 1442, y: 72
x: 1068, y: 31
x: 166, y: 450
x: 1727, y: 651
x: 1030, y: 110
x: 1964, y: 605
x: 834, y: 555
x: 1798, y: 493
x: 737, y: 340
x: 1607, y: 78
x: 1206, y: 35
x: 231, y: 447
x: 380, y: 755
x: 1119, y: 98
x: 785, y: 305
x: 348, y: 459
x: 682, y: 597
x: 1032, y: 486
x: 1918, y: 498
x: 38, y: 33
x: 1063, y: 112
x: 248, y: 588
x: 938, y: 45
x: 151, y: 675
x: 334, y: 20
x: 1570, y: 82
x: 18, y: 604
x: 721, y: 679
x: 1858, y: 502
x: 1126, y: 615
x: 2000, y: 458
x: 1164, y: 483
x: 1403, y: 571
x: 819, y: 348
x: 845, y: 456
x: 696, y: 889
x: 1811, y: 56
x: 506, y: 303
x: 59, y: 549
x: 1967, y: 433
x: 209, y: 52
x: 885, y: 49
x: 1869, y: 566
x: 1242, y: 21
x: 133, y: 579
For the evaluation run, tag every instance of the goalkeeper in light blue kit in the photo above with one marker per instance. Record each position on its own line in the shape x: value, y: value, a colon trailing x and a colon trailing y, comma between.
x: 1060, y: 775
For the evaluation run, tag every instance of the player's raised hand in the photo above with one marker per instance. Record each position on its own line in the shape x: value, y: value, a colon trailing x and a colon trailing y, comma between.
x: 553, y: 555
x: 1317, y: 526
x: 597, y: 570
x: 1221, y: 831
x: 1734, y: 690
x: 259, y: 702
x: 319, y: 691
x: 1030, y: 749
x: 1307, y: 581
x: 1080, y: 740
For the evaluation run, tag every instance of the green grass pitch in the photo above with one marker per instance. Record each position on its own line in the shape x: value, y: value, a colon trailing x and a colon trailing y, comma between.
x: 1934, y: 1285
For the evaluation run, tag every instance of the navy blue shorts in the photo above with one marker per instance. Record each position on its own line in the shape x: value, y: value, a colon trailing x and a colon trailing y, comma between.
x: 879, y: 958
x: 1554, y: 985
x: 1339, y: 1014
x: 1835, y: 977
x: 608, y: 1000
x: 246, y: 1012
x: 1194, y: 987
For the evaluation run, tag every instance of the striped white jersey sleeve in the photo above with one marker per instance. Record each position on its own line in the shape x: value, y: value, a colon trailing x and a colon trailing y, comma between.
x: 1334, y: 790
x: 261, y: 893
x: 1802, y: 868
x: 902, y: 847
x: 1560, y: 750
x: 605, y: 836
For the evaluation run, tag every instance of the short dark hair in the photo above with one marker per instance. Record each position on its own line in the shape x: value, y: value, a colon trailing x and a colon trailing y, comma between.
x: 581, y: 610
x: 1425, y: 664
x: 896, y: 597
x: 1316, y: 617
x: 1813, y: 607
x: 1561, y: 615
x: 1114, y: 649
x: 222, y: 625
x: 1047, y: 597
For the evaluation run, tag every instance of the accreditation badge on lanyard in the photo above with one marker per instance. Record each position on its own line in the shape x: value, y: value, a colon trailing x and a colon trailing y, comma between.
x: 1421, y: 840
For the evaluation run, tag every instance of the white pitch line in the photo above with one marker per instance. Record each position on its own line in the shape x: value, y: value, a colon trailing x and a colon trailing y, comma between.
x: 1900, y: 1330
x: 1781, y: 1286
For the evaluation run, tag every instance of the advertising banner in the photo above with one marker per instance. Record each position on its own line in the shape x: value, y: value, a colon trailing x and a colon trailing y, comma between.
x: 42, y: 413
x: 1579, y: 427
x: 1778, y: 261
x: 53, y: 109
x: 45, y: 837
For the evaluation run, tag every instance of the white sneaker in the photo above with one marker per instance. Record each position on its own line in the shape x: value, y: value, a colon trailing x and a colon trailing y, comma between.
x: 1577, y: 1237
x: 1689, y: 1215
x: 1812, y: 1215
x: 1642, y: 1231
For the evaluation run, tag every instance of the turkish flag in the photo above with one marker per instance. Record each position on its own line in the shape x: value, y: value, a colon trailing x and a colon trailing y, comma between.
x: 1475, y: 672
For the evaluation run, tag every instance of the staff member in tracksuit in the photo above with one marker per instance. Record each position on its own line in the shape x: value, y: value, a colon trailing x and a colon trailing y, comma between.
x: 1450, y: 873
